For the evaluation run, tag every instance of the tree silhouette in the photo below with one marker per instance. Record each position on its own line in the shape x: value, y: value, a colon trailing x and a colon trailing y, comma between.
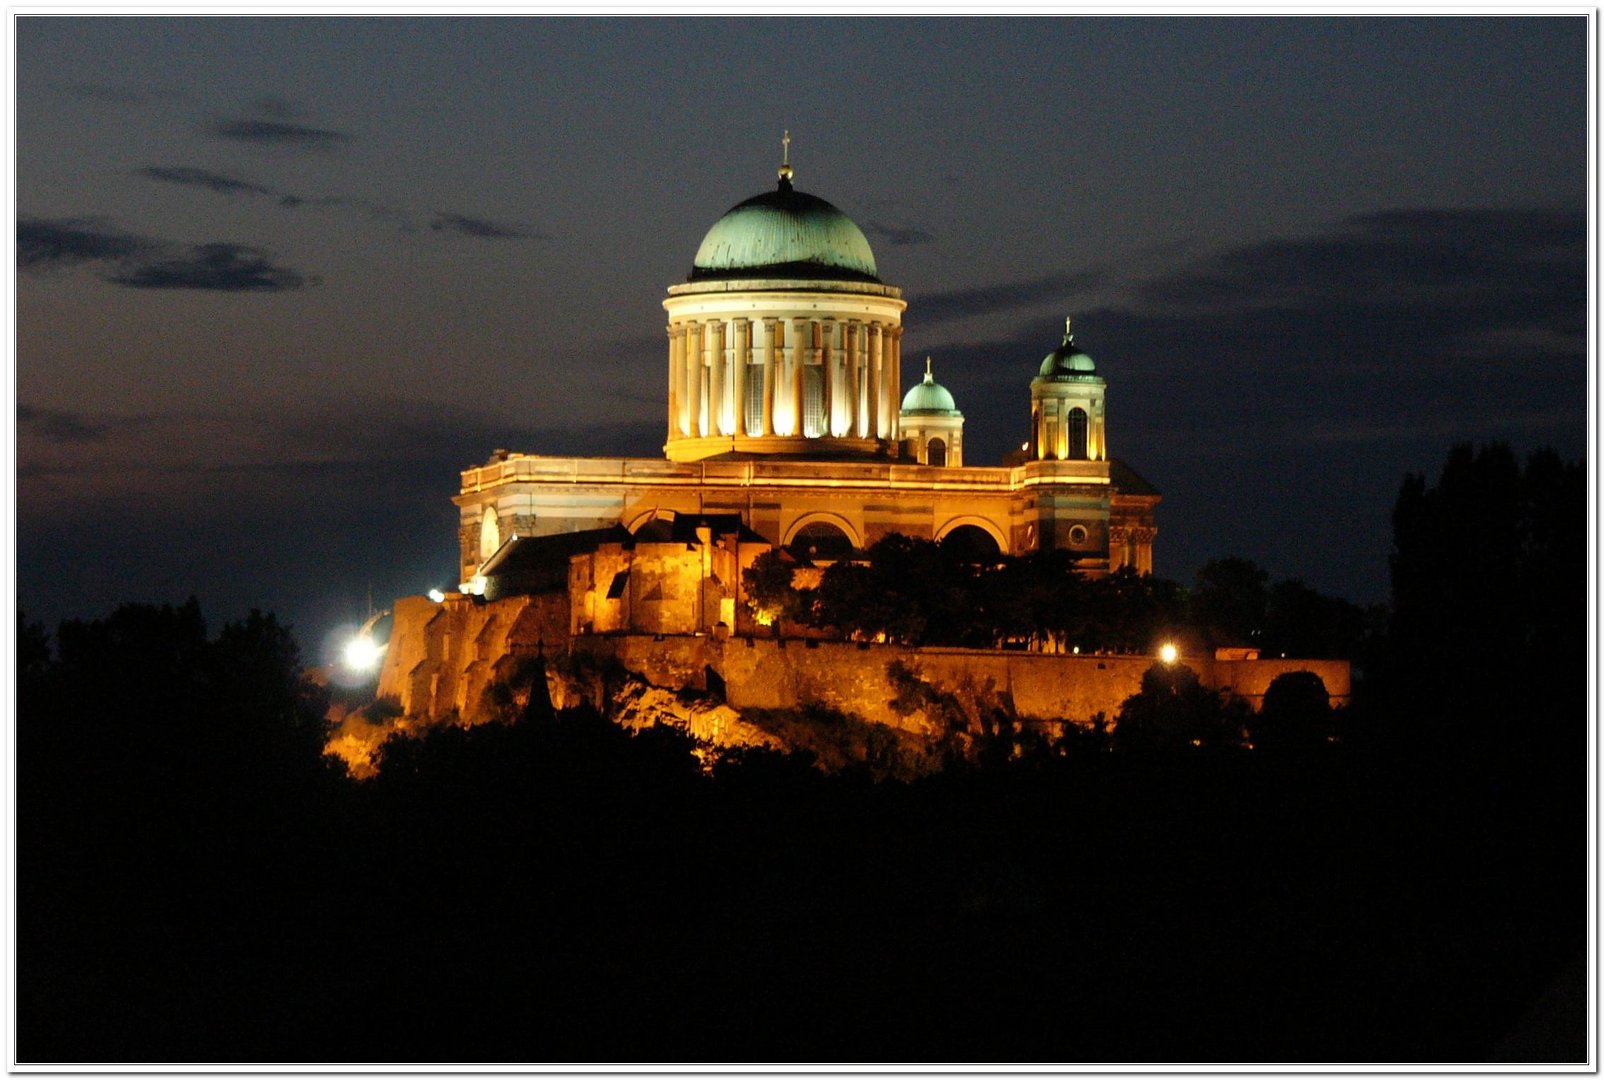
x: 1295, y: 716
x: 1174, y: 711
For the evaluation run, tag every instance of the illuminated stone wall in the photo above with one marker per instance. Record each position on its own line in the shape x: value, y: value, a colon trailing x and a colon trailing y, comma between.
x: 852, y: 678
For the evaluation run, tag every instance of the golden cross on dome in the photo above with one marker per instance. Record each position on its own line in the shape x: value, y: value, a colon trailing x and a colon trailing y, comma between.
x: 785, y: 158
x: 929, y: 376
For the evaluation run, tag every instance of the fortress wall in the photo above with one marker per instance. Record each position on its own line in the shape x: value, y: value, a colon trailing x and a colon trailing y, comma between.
x: 763, y: 673
x: 442, y: 656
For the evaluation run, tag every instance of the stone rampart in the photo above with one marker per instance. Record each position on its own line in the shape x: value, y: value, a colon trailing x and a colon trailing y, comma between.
x: 442, y: 656
x: 764, y: 673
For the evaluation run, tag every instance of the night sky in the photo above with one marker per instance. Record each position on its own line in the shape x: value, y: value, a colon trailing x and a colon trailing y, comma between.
x: 279, y: 280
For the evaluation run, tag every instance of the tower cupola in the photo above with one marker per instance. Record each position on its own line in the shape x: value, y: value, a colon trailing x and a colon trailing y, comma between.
x: 1066, y: 405
x: 932, y: 426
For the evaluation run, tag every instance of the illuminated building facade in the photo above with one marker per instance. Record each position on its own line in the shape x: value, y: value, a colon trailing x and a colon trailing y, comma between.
x: 785, y: 410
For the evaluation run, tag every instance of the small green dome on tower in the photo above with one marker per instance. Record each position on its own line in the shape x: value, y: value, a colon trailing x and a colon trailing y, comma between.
x: 929, y: 398
x: 1068, y: 362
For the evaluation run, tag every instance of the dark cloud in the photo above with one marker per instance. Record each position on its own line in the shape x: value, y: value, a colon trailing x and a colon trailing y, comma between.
x: 277, y: 133
x: 1457, y: 263
x: 58, y: 426
x: 897, y: 235
x: 476, y: 227
x: 202, y: 178
x: 215, y: 267
x: 963, y: 303
x: 141, y: 263
x: 44, y: 243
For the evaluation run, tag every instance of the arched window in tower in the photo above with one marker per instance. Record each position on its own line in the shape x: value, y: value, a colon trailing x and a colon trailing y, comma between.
x: 936, y: 452
x: 489, y: 534
x: 1077, y: 434
x: 813, y: 401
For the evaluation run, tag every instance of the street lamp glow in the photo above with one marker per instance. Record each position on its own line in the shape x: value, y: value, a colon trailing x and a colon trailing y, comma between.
x: 437, y: 596
x: 362, y: 653
x: 1168, y: 653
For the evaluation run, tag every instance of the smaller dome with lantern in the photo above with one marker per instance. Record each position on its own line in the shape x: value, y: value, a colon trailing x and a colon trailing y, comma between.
x: 1068, y: 362
x: 929, y: 398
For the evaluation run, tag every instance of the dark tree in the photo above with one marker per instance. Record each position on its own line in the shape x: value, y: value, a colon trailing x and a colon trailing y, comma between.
x: 1295, y: 716
x: 1300, y: 622
x: 769, y: 589
x: 1230, y: 601
x: 1487, y: 642
x: 1174, y: 711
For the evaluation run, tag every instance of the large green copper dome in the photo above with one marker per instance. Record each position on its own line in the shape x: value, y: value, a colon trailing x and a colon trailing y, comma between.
x: 785, y: 234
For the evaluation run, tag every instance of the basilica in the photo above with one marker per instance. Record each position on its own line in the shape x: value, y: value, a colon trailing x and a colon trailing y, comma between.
x: 787, y: 426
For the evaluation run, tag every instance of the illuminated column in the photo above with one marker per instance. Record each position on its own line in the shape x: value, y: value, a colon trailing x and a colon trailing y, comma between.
x: 675, y: 369
x: 693, y: 378
x: 742, y: 357
x: 715, y: 378
x: 896, y: 381
x: 876, y: 374
x: 801, y: 343
x: 827, y: 355
x: 851, y: 376
x: 769, y: 356
x: 865, y: 376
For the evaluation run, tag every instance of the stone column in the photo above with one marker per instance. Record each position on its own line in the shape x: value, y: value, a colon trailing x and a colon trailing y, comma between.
x: 894, y: 398
x: 850, y: 372
x: 693, y: 379
x: 876, y: 374
x: 742, y: 357
x: 827, y: 363
x: 715, y: 378
x: 675, y: 368
x: 769, y: 356
x: 801, y: 342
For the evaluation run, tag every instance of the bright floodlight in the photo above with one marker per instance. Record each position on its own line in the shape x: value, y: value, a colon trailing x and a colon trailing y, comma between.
x: 1168, y: 652
x: 362, y: 653
x: 436, y: 595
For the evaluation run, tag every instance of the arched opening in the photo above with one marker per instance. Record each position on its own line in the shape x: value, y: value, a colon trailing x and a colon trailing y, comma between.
x: 971, y: 543
x: 489, y: 534
x: 1077, y: 434
x: 936, y: 452
x: 820, y: 540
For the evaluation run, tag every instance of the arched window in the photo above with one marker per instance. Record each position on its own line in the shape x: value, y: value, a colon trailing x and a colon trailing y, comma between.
x: 936, y: 452
x: 971, y: 544
x: 489, y: 534
x: 1077, y: 434
x: 820, y: 540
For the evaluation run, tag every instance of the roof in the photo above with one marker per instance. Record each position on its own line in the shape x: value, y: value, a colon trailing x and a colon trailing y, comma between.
x: 1126, y: 480
x: 539, y: 564
x: 785, y: 233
